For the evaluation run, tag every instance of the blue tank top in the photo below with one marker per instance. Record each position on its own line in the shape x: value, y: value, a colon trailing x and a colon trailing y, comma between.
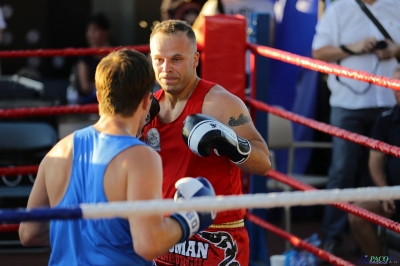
x: 100, y: 241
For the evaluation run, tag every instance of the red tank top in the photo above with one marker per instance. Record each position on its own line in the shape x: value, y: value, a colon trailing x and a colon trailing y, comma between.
x: 179, y: 161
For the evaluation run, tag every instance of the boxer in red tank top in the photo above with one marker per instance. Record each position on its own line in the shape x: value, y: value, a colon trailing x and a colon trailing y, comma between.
x: 175, y: 58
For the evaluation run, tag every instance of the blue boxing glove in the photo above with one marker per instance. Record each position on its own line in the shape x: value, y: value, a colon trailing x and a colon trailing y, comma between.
x: 202, y: 133
x: 192, y: 221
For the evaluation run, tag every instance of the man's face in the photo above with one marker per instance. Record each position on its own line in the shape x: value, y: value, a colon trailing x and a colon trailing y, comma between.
x: 95, y: 36
x: 396, y: 75
x: 174, y: 60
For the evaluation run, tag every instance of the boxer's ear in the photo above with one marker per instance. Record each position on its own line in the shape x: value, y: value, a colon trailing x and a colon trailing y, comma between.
x: 147, y: 101
x: 97, y: 96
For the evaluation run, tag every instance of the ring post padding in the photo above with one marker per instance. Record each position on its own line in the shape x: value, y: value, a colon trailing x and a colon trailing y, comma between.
x: 260, y: 32
x: 223, y: 56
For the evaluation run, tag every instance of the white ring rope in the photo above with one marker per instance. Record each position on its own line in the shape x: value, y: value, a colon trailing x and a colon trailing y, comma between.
x: 223, y: 203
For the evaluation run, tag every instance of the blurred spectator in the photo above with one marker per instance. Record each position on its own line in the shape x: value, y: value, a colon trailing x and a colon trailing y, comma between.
x: 181, y: 9
x: 3, y: 25
x: 82, y: 77
x: 385, y: 171
x: 29, y: 72
x: 345, y: 35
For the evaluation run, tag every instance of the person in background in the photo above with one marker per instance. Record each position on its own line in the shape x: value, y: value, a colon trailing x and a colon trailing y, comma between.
x: 181, y: 9
x: 385, y: 171
x: 3, y: 25
x: 345, y: 35
x: 82, y: 77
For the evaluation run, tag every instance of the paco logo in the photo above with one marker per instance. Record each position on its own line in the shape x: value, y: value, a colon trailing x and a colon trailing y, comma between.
x: 377, y: 259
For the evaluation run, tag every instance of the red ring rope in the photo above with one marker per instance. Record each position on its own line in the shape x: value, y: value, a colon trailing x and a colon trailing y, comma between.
x: 9, y: 228
x: 70, y: 51
x: 323, y: 67
x: 370, y: 216
x: 48, y: 111
x: 269, y: 52
x: 74, y: 51
x: 19, y: 170
x: 326, y: 128
x: 297, y: 242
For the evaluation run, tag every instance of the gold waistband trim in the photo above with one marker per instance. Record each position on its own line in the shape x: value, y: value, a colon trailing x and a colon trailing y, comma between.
x: 234, y: 224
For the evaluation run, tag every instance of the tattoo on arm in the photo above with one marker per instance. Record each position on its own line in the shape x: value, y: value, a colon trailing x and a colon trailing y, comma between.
x: 241, y: 120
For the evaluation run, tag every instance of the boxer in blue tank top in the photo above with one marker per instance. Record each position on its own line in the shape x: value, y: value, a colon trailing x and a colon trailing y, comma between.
x: 107, y: 163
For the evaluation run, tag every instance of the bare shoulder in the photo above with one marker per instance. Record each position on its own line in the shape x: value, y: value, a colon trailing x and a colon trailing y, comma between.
x: 142, y: 166
x: 219, y: 94
x: 225, y: 106
x: 138, y: 151
x: 62, y: 149
x: 55, y: 168
x: 141, y: 156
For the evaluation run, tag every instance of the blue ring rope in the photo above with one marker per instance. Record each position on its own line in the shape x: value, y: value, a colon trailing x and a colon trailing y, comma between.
x: 39, y: 214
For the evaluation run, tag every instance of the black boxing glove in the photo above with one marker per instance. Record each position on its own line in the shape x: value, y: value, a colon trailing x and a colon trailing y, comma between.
x: 153, y: 111
x: 202, y: 133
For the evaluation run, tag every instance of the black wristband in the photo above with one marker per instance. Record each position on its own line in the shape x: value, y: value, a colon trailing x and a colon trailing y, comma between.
x: 346, y: 50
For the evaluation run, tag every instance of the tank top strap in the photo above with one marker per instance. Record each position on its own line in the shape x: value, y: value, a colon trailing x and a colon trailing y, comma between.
x: 158, y: 94
x: 92, y: 152
x: 195, y: 102
x: 202, y: 88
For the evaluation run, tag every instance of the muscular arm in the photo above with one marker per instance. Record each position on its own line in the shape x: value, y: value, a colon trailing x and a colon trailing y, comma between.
x: 152, y: 235
x: 36, y: 233
x: 236, y: 115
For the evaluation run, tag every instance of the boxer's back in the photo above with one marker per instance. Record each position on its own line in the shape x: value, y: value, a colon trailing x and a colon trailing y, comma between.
x: 83, y: 162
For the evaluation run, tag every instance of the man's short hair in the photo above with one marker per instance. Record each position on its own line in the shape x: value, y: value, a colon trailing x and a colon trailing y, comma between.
x: 122, y: 79
x: 175, y: 27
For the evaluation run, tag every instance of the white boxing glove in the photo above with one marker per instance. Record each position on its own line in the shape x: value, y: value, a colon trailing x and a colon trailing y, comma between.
x: 202, y: 133
x: 192, y: 221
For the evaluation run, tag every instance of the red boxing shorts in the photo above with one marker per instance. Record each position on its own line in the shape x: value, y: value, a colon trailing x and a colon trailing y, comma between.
x: 218, y: 245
